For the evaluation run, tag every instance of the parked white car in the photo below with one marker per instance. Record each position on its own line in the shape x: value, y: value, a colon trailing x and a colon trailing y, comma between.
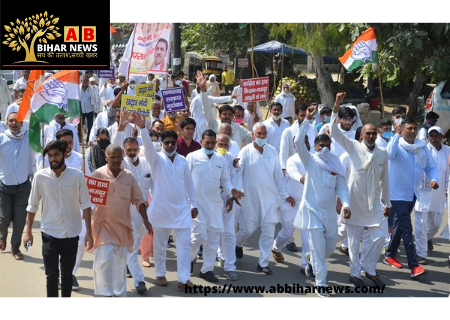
x: 439, y: 102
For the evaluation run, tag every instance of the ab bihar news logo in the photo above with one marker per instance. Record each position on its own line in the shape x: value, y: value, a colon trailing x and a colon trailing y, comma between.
x: 43, y: 40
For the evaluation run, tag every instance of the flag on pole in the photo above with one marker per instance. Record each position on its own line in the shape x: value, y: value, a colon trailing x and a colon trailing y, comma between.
x: 111, y: 31
x: 59, y: 93
x: 36, y: 77
x: 363, y: 51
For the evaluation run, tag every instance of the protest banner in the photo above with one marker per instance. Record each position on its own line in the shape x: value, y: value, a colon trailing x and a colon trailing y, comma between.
x: 145, y: 90
x: 255, y: 89
x: 98, y: 190
x: 173, y: 99
x: 141, y: 105
x: 108, y: 74
x: 243, y: 63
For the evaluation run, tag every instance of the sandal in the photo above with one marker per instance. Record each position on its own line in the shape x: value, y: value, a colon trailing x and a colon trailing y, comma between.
x: 2, y: 245
x: 18, y: 255
x: 146, y: 263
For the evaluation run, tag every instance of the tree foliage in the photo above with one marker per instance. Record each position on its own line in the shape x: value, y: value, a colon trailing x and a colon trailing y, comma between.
x: 228, y: 38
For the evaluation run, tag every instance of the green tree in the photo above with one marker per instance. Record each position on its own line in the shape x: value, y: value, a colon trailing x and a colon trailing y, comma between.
x: 319, y: 39
x: 230, y: 38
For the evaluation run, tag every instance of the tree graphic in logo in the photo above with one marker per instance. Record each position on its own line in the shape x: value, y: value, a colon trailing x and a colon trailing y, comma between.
x: 36, y: 27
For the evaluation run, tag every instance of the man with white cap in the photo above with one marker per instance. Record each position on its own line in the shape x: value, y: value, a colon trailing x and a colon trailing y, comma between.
x: 132, y: 87
x: 429, y: 210
x: 120, y: 79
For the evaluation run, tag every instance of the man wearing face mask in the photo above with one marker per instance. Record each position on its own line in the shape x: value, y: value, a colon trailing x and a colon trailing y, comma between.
x: 325, y: 116
x: 141, y: 170
x: 384, y: 133
x: 59, y: 123
x: 209, y: 173
x: 132, y: 87
x: 275, y: 125
x: 397, y: 116
x: 107, y: 90
x: 225, y: 128
x: 368, y: 183
x: 239, y: 133
x: 430, y: 120
x: 173, y: 205
x: 317, y: 216
x: 16, y: 166
x: 287, y: 137
x: 429, y: 210
x: 287, y: 100
x: 259, y: 166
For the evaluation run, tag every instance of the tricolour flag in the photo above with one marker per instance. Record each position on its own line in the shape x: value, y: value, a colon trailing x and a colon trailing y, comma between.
x: 363, y: 51
x: 59, y: 93
x: 36, y: 77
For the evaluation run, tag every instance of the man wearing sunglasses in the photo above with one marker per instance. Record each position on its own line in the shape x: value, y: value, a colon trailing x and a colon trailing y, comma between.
x: 173, y: 205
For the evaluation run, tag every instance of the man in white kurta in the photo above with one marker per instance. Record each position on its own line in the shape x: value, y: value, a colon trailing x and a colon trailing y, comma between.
x: 259, y: 173
x: 324, y: 180
x: 287, y: 99
x: 295, y: 178
x: 368, y: 184
x: 287, y: 137
x: 128, y: 130
x: 429, y: 209
x: 209, y: 172
x: 140, y: 168
x: 173, y: 196
x: 275, y: 125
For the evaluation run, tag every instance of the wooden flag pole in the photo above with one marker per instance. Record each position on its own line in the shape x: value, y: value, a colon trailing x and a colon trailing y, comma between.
x: 82, y: 141
x: 43, y: 145
x: 253, y: 65
x: 381, y: 91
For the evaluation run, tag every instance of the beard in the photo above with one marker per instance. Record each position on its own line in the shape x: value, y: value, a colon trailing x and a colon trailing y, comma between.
x: 58, y: 166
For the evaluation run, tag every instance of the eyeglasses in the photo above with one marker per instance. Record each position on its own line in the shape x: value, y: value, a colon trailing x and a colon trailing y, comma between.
x: 166, y: 143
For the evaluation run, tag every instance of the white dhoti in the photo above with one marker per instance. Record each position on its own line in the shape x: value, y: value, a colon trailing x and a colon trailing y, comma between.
x: 342, y: 234
x: 81, y: 246
x: 110, y: 270
x: 184, y: 251
x: 132, y: 258
x: 321, y: 248
x: 427, y: 225
x: 372, y: 245
x: 247, y: 228
x: 210, y: 241
x: 227, y: 242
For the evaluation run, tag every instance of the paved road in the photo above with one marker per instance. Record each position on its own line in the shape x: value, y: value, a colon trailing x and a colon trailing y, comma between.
x: 27, y: 278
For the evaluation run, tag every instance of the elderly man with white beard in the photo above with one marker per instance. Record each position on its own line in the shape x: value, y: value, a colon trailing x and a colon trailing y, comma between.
x: 260, y: 175
x: 317, y: 215
x: 368, y: 184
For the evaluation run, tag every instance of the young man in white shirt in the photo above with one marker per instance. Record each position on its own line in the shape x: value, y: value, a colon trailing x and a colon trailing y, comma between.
x: 63, y: 192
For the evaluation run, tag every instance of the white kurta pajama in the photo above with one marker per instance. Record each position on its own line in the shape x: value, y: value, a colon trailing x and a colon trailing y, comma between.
x: 294, y: 172
x: 274, y: 132
x: 142, y: 174
x: 208, y: 175
x: 173, y: 194
x: 317, y: 212
x: 369, y: 194
x: 262, y: 181
x: 227, y: 243
x: 429, y: 209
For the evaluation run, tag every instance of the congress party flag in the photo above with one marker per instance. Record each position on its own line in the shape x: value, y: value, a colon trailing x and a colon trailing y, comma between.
x: 363, y: 51
x: 59, y: 93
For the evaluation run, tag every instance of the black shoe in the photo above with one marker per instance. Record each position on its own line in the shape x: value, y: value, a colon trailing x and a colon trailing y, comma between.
x: 357, y: 282
x: 192, y: 266
x: 292, y: 247
x: 75, y: 285
x: 141, y: 288
x: 265, y: 270
x: 239, y: 252
x: 209, y: 276
x: 378, y: 283
x: 200, y: 253
x: 343, y: 250
x: 430, y: 245
x: 421, y: 260
x: 129, y: 274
